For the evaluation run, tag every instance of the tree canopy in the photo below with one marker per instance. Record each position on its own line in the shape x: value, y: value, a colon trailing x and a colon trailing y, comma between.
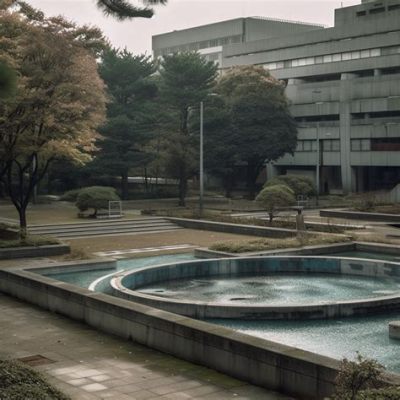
x: 122, y: 9
x: 59, y: 101
x: 261, y: 126
x: 186, y: 79
x: 130, y: 113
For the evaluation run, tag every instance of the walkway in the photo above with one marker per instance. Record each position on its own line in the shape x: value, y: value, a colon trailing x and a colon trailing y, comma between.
x: 89, y: 365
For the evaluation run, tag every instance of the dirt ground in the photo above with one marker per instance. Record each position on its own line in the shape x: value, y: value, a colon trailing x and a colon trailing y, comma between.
x: 193, y: 237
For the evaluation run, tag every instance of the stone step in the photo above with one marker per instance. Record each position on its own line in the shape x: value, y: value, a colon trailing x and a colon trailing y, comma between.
x: 75, y: 228
x: 101, y: 222
x: 103, y: 228
x: 69, y: 235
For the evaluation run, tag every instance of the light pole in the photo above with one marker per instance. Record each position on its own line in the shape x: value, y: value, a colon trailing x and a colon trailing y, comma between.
x: 318, y: 161
x: 201, y: 174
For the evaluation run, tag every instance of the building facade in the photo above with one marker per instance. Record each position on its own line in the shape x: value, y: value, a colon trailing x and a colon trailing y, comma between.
x: 343, y: 84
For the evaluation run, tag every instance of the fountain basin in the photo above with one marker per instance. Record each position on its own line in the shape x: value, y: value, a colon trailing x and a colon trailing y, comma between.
x: 127, y: 286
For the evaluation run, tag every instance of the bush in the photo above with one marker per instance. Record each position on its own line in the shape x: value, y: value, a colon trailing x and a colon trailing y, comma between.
x: 70, y: 195
x: 274, y: 197
x: 267, y: 244
x: 300, y: 185
x: 19, y: 382
x: 96, y: 197
x: 391, y: 393
x: 356, y: 378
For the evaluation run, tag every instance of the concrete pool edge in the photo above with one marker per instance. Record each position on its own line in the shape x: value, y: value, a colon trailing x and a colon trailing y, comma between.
x: 125, y: 285
x: 268, y: 364
x: 306, y: 250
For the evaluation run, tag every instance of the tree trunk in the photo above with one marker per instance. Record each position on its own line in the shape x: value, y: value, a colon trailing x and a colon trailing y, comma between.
x: 251, y: 178
x: 23, y: 230
x: 124, y: 186
x: 182, y: 191
x: 271, y: 217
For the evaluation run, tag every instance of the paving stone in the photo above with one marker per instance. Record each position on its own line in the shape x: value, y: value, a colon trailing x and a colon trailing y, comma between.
x: 94, y: 387
x: 105, y: 367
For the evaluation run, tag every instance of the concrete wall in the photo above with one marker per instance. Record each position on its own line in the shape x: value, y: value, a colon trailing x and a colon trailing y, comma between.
x: 127, y: 284
x: 361, y: 216
x: 31, y: 251
x: 234, y: 228
x: 260, y: 362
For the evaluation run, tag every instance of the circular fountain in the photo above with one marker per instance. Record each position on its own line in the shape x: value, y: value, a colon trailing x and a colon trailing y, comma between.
x: 266, y: 287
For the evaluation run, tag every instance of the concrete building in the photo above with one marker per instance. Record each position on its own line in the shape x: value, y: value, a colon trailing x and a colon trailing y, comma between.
x: 343, y: 83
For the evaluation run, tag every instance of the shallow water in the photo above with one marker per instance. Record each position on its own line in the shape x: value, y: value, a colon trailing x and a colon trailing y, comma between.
x: 275, y: 289
x: 85, y: 278
x: 334, y: 338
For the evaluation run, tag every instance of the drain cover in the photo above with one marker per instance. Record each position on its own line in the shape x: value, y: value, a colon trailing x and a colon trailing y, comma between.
x: 37, y: 359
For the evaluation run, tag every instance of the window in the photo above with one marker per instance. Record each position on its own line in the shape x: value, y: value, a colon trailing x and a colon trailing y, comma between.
x: 355, y: 55
x: 360, y: 145
x: 361, y: 13
x: 331, y: 145
x: 328, y: 58
x: 375, y: 52
x: 337, y: 57
x: 394, y: 7
x: 346, y: 56
x: 307, y: 145
x: 377, y: 10
x: 385, y: 144
x: 365, y: 53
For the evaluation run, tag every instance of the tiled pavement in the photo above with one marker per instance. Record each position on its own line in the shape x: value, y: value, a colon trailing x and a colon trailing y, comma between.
x: 89, y: 365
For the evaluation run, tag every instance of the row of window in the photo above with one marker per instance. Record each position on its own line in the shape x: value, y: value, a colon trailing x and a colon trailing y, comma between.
x: 329, y: 58
x: 205, y: 44
x: 325, y: 145
x: 378, y: 10
x: 333, y: 145
x: 376, y: 144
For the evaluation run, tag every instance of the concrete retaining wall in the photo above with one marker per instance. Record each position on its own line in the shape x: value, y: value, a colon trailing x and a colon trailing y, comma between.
x: 363, y: 216
x: 234, y: 228
x: 257, y: 361
x: 307, y: 250
x: 31, y: 251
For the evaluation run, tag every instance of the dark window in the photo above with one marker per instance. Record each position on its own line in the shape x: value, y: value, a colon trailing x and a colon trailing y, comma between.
x: 361, y: 13
x: 385, y: 144
x: 377, y: 10
x: 394, y: 7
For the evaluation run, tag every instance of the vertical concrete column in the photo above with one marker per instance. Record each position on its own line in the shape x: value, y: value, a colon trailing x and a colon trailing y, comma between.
x: 345, y: 131
x: 272, y: 171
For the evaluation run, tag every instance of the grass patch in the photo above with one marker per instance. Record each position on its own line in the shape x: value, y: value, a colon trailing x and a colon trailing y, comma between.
x: 19, y: 382
x: 30, y: 241
x: 77, y: 254
x: 246, y: 246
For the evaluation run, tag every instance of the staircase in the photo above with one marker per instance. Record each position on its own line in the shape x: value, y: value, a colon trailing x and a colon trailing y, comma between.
x: 104, y: 228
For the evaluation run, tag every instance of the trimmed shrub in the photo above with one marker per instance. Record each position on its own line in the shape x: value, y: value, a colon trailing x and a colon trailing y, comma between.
x: 274, y: 197
x: 357, y: 378
x: 96, y: 197
x: 300, y: 185
x: 19, y: 382
x: 70, y: 195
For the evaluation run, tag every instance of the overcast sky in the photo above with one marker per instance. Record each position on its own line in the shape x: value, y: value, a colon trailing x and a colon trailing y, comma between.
x: 180, y: 14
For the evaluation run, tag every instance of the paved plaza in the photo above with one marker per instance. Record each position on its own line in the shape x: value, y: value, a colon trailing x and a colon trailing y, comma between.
x: 89, y: 365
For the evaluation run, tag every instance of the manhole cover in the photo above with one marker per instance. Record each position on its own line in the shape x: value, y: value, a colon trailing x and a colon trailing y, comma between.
x: 37, y: 359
